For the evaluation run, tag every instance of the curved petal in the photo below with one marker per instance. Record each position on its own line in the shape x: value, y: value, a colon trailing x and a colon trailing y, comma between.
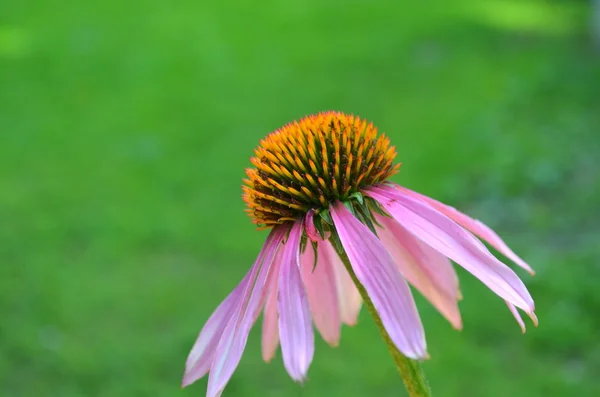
x: 295, y: 324
x: 375, y: 269
x: 233, y: 340
x: 476, y: 227
x: 321, y: 289
x: 349, y: 298
x: 270, y: 332
x: 517, y: 316
x: 202, y: 353
x: 423, y: 267
x: 450, y: 239
x: 309, y: 226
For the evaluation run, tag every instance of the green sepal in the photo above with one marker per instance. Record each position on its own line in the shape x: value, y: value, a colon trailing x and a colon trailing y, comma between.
x: 349, y: 206
x: 303, y: 241
x: 376, y: 207
x: 321, y: 228
x: 316, y: 252
x: 358, y: 196
x: 364, y: 215
x: 337, y: 244
x: 326, y: 216
x: 286, y: 236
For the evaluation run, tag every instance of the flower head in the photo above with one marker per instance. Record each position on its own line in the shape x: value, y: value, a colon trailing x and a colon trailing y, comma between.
x: 320, y: 185
x: 311, y: 163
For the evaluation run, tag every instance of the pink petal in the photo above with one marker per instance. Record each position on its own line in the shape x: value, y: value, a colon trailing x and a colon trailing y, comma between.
x: 270, y: 332
x: 309, y: 225
x: 349, y: 299
x: 295, y: 325
x: 375, y: 269
x: 516, y: 315
x: 473, y: 225
x: 445, y: 236
x: 423, y: 267
x: 203, y: 351
x: 233, y: 340
x: 533, y: 318
x: 321, y: 288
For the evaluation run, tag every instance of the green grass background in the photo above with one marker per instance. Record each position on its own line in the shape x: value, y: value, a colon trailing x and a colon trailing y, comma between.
x: 125, y: 128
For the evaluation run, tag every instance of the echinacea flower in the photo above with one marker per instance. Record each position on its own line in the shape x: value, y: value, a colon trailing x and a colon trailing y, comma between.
x: 321, y: 186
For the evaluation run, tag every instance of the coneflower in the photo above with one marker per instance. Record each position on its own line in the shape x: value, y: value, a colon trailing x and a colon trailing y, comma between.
x: 341, y: 234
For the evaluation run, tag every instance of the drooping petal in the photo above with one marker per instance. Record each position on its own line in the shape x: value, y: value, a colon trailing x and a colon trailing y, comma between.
x: 349, y: 298
x: 309, y: 225
x: 295, y: 324
x: 375, y: 269
x: 270, y: 334
x: 270, y: 331
x: 516, y: 315
x: 233, y: 340
x: 321, y: 288
x: 201, y: 356
x: 450, y: 239
x: 475, y: 226
x: 423, y: 267
x: 202, y: 353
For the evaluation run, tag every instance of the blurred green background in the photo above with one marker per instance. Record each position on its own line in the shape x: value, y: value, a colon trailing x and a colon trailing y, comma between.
x: 125, y: 128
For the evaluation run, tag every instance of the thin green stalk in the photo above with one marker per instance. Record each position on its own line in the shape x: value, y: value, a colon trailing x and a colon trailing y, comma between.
x: 410, y: 370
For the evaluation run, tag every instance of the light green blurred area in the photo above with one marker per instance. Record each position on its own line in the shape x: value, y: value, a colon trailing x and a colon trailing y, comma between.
x: 125, y: 128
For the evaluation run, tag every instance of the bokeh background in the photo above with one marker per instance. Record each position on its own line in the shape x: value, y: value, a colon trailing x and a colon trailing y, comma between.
x: 125, y: 128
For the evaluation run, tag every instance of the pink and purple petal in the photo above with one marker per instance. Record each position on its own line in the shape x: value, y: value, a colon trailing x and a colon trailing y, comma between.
x: 476, y: 227
x: 423, y: 267
x: 270, y: 331
x: 295, y: 324
x: 202, y: 353
x: 349, y: 299
x: 309, y: 226
x: 377, y: 272
x: 233, y: 340
x: 320, y: 283
x: 444, y: 235
x: 515, y: 312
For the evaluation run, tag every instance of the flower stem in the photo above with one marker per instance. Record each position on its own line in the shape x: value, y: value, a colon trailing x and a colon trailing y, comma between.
x: 410, y: 370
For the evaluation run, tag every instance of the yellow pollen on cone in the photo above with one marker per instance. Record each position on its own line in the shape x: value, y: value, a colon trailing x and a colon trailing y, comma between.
x: 311, y: 162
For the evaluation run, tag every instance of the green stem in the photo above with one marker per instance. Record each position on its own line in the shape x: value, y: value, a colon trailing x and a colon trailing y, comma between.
x: 410, y: 370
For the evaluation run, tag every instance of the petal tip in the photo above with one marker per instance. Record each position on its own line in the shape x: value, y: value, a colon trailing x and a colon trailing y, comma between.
x: 300, y: 377
x: 267, y: 359
x: 187, y: 380
x: 458, y: 326
x: 533, y: 318
x: 419, y: 353
x: 301, y: 380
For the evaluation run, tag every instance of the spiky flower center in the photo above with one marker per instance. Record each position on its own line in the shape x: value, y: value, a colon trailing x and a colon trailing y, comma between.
x: 309, y: 163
